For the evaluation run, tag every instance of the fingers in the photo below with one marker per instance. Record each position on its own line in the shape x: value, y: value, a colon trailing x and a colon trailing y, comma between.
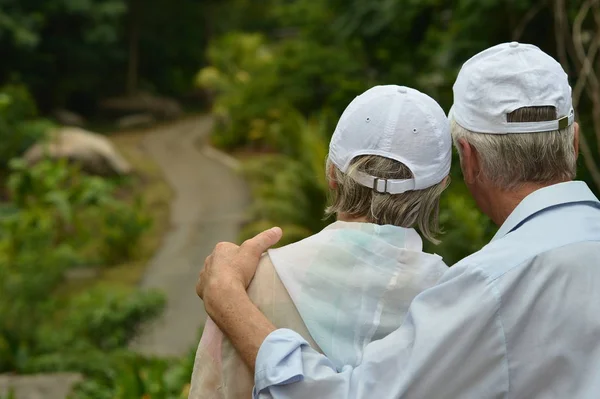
x: 257, y: 245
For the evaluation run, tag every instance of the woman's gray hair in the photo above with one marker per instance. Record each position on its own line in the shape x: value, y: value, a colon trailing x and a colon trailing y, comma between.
x: 418, y: 208
x: 510, y: 160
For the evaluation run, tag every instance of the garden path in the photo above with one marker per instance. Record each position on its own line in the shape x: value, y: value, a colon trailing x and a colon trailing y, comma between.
x: 208, y: 207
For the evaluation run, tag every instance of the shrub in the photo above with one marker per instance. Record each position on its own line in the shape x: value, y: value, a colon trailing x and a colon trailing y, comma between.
x: 31, y: 266
x: 134, y: 376
x: 108, y: 317
x: 85, y: 209
x: 122, y: 228
x: 19, y: 125
x: 60, y: 218
x: 262, y: 85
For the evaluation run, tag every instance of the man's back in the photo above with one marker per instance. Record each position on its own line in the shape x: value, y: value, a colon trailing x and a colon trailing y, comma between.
x: 560, y: 327
x: 549, y: 302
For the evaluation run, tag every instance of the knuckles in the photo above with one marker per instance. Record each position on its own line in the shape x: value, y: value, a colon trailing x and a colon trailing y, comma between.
x: 224, y: 246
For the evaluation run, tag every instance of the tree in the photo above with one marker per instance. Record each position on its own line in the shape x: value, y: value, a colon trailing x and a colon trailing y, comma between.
x: 577, y: 48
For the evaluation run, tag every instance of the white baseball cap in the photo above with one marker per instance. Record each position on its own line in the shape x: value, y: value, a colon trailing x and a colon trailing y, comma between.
x: 399, y: 123
x: 507, y: 77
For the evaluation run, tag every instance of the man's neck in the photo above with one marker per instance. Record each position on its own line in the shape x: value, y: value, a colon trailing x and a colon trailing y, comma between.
x: 502, y: 202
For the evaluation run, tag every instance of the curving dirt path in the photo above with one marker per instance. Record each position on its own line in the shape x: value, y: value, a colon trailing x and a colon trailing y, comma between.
x: 208, y: 207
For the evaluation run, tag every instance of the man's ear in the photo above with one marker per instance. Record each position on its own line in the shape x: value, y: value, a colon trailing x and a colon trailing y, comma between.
x: 576, y: 140
x: 469, y: 162
x: 331, y: 177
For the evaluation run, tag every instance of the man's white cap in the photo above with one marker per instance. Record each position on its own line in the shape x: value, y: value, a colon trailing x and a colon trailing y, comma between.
x: 399, y: 123
x: 507, y: 77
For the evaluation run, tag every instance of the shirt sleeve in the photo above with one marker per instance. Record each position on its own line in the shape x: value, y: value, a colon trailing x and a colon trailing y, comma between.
x: 451, y: 344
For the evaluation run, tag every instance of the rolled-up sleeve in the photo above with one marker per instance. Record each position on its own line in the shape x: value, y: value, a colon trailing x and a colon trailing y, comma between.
x: 451, y: 344
x: 282, y: 348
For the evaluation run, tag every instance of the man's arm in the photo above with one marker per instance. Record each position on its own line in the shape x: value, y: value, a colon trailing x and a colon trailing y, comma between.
x: 242, y: 322
x: 451, y: 343
x: 222, y: 285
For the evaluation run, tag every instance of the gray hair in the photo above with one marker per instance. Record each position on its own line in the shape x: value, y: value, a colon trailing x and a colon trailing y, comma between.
x: 418, y: 208
x: 510, y: 160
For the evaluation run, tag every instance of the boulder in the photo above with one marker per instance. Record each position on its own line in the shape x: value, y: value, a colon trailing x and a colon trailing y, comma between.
x: 94, y: 152
x: 136, y: 120
x: 39, y: 386
x: 69, y: 118
x: 160, y: 107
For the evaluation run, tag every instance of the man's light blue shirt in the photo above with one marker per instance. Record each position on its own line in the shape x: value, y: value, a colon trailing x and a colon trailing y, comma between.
x: 518, y: 319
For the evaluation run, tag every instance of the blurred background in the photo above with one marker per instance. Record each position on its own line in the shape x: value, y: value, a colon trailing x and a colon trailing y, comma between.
x: 134, y: 135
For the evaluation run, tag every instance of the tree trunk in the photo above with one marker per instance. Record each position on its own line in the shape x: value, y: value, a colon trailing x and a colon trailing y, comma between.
x: 134, y: 46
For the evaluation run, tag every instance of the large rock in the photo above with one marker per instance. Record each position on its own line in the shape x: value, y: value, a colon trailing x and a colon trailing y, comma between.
x: 160, y: 107
x: 40, y: 386
x: 94, y: 152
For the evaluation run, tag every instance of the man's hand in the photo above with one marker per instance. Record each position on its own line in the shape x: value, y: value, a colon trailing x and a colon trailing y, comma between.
x: 222, y: 285
x: 232, y: 267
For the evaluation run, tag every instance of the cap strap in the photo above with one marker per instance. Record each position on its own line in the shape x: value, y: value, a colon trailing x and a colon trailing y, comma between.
x: 380, y: 185
x: 556, y: 124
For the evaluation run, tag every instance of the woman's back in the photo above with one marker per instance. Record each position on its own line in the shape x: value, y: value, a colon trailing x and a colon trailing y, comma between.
x: 340, y: 289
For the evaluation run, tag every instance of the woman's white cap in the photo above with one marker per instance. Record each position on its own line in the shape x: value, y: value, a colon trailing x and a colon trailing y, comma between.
x: 507, y: 77
x: 399, y: 123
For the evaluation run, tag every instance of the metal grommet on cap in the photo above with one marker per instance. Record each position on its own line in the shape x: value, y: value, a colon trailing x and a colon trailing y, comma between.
x: 514, y: 44
x: 402, y: 90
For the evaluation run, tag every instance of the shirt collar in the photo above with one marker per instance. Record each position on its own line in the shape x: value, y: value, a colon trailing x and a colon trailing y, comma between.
x: 544, y: 198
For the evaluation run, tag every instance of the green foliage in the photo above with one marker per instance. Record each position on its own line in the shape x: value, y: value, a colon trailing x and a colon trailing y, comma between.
x: 136, y: 377
x: 94, y: 327
x: 108, y: 318
x: 60, y: 218
x: 19, y: 125
x: 31, y: 266
x: 58, y: 47
x: 55, y: 46
x: 81, y: 205
x: 258, y: 86
x: 123, y: 226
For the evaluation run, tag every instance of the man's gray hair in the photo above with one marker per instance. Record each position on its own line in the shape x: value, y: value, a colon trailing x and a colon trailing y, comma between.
x: 511, y: 160
x: 418, y: 208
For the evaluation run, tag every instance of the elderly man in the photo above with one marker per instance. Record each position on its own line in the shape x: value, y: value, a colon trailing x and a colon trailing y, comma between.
x: 517, y: 319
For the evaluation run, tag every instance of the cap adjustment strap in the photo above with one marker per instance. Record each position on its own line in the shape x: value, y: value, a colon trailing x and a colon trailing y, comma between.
x: 383, y: 186
x: 376, y: 181
x: 563, y: 122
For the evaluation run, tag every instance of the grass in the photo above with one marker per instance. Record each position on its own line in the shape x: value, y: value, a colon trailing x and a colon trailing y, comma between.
x: 149, y: 184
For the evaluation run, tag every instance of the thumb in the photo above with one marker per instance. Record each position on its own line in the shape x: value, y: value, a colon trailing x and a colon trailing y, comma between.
x: 262, y: 241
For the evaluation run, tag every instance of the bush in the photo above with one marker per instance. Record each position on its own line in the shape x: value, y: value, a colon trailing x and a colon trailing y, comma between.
x: 123, y: 226
x: 261, y: 86
x: 61, y: 218
x: 108, y: 318
x: 85, y: 209
x: 134, y: 376
x: 31, y: 266
x: 93, y: 327
x: 19, y: 125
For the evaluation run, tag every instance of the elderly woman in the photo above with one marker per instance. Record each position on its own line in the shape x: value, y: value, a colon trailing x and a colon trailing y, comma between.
x: 352, y: 283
